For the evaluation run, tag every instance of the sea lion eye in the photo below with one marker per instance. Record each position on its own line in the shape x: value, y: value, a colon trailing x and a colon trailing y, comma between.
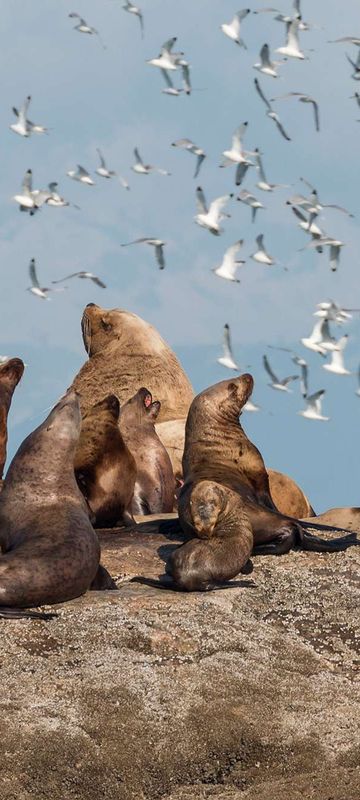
x: 106, y: 325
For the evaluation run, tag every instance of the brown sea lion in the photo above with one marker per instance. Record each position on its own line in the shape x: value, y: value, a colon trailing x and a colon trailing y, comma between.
x: 288, y: 498
x: 11, y: 373
x: 218, y: 452
x: 50, y: 549
x: 155, y: 482
x: 126, y: 352
x: 104, y: 466
x: 345, y: 517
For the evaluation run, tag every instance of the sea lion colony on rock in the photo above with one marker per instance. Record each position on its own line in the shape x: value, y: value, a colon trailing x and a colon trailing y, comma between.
x: 51, y: 552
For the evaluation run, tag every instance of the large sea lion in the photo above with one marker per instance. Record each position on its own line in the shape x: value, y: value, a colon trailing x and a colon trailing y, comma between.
x: 10, y: 374
x: 218, y: 453
x: 104, y: 466
x: 50, y: 550
x: 126, y: 352
x: 155, y: 482
x: 288, y: 497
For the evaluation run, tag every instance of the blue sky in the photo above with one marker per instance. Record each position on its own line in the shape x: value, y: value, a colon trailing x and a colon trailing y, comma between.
x: 112, y: 99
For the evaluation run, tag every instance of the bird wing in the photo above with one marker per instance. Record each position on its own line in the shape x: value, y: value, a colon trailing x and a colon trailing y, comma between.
x: 159, y: 253
x: 260, y: 241
x: 314, y: 400
x: 167, y: 78
x: 229, y: 256
x: 265, y: 56
x: 186, y: 78
x: 98, y: 282
x: 27, y: 182
x: 338, y: 208
x: 334, y: 256
x: 185, y: 144
x: 199, y: 160
x: 279, y: 125
x: 217, y: 206
x: 227, y: 343
x: 289, y: 378
x: 316, y: 114
x: 24, y: 109
x: 102, y: 160
x: 33, y: 275
x: 261, y: 94
x: 168, y: 45
x: 67, y: 277
x: 138, y: 156
x: 260, y: 168
x: 237, y: 136
x: 354, y: 66
x: 269, y: 370
x: 136, y: 241
x: 240, y: 173
x: 292, y: 34
x: 82, y: 171
x: 240, y: 15
x: 200, y: 201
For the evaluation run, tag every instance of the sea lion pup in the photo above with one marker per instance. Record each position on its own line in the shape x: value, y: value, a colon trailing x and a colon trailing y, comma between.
x: 155, y: 482
x: 126, y: 352
x: 50, y: 549
x: 288, y: 497
x: 104, y: 467
x: 218, y: 452
x: 11, y: 373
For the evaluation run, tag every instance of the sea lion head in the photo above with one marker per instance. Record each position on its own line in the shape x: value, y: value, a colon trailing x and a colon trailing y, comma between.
x: 64, y: 421
x: 140, y: 408
x: 109, y: 406
x: 101, y: 326
x: 224, y: 400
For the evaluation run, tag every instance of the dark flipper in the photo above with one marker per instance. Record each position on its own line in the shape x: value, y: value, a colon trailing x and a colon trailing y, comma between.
x: 24, y: 613
x: 166, y: 582
x: 102, y: 580
x: 309, y: 541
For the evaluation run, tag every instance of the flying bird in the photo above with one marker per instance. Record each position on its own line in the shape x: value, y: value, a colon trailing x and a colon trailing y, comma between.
x: 236, y: 155
x: 83, y: 27
x: 83, y: 274
x: 144, y: 169
x: 291, y: 49
x: 337, y: 359
x: 319, y: 336
x: 250, y: 200
x: 261, y: 94
x: 210, y: 218
x: 275, y: 117
x: 263, y: 183
x: 166, y: 58
x: 81, y: 175
x: 276, y: 383
x: 24, y: 126
x: 230, y: 264
x: 313, y: 406
x: 227, y: 359
x: 300, y: 362
x: 265, y: 65
x: 137, y: 12
x: 187, y: 144
x: 261, y: 255
x: 158, y: 244
x: 232, y: 29
x: 30, y: 199
x: 35, y: 287
x: 103, y: 170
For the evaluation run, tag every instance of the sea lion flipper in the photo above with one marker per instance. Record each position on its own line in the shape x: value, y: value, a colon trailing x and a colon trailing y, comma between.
x: 281, y: 544
x: 24, y: 613
x: 310, y: 541
x: 102, y: 581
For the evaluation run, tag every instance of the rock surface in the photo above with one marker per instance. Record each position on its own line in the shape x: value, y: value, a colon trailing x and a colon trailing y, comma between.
x: 248, y: 693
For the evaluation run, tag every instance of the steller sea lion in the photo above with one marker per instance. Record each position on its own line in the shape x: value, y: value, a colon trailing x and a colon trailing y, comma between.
x: 104, y: 466
x: 218, y: 453
x: 11, y: 373
x: 288, y: 497
x: 50, y: 550
x: 155, y: 482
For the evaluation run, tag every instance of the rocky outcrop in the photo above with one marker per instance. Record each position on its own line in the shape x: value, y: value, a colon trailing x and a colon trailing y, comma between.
x: 248, y: 693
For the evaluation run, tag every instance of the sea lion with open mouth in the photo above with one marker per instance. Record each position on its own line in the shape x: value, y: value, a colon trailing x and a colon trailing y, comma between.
x: 50, y: 550
x: 11, y: 372
x: 155, y: 482
x: 104, y: 466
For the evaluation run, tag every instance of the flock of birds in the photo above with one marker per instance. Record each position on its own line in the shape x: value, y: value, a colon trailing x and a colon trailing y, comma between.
x: 306, y: 207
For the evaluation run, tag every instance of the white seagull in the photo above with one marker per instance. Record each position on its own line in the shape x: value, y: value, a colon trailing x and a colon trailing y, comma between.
x: 24, y: 126
x: 227, y: 359
x: 232, y: 29
x: 261, y: 255
x: 83, y: 27
x: 83, y: 274
x: 280, y: 385
x: 31, y: 199
x: 158, y: 244
x: 303, y: 98
x: 144, y: 169
x: 263, y: 183
x: 103, y: 170
x: 35, y: 287
x: 313, y: 407
x: 166, y: 58
x: 333, y: 312
x: 236, y: 155
x: 187, y: 144
x: 334, y: 249
x: 230, y: 264
x: 304, y: 373
x: 265, y: 64
x: 138, y: 13
x: 81, y: 175
x: 337, y: 360
x: 250, y: 200
x: 319, y: 334
x: 210, y: 218
x: 292, y: 48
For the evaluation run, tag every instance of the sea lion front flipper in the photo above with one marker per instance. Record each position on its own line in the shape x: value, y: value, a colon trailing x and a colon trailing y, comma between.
x: 24, y: 613
x: 281, y: 544
x: 102, y: 581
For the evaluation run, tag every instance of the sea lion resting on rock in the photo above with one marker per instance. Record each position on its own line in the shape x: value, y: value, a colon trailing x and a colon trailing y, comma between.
x: 155, y: 482
x: 126, y: 352
x: 11, y: 373
x: 226, y: 492
x: 50, y: 550
x: 104, y: 466
x: 288, y: 497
